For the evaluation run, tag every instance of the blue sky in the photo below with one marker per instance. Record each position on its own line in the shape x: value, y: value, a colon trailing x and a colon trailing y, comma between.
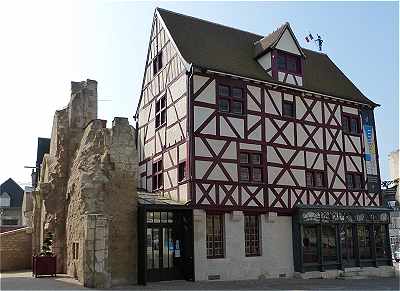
x: 49, y: 44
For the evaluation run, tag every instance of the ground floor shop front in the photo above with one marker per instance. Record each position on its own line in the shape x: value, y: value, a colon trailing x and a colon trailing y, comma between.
x: 177, y: 242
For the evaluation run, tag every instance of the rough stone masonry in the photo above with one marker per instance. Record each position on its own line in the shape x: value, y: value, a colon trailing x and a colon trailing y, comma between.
x: 86, y: 195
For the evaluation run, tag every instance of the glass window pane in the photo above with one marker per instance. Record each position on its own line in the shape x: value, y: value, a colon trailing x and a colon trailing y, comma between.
x: 149, y: 215
x: 281, y: 63
x: 244, y: 174
x: 349, y: 181
x: 354, y: 125
x: 318, y: 179
x: 149, y: 249
x: 257, y: 174
x: 156, y: 248
x: 164, y: 217
x: 244, y: 158
x: 364, y: 242
x: 310, y: 251
x: 237, y: 107
x: 309, y: 179
x: 237, y: 92
x: 224, y: 105
x: 292, y: 64
x: 256, y: 159
x: 357, y: 181
x: 288, y: 109
x: 345, y: 123
x: 328, y: 243
x: 170, y: 217
x: 156, y: 217
x: 223, y: 91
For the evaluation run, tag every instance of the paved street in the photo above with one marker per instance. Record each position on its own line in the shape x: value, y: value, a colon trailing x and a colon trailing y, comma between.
x: 24, y: 281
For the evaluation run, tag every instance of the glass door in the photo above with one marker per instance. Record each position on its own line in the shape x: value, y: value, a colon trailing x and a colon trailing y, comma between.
x: 347, y: 245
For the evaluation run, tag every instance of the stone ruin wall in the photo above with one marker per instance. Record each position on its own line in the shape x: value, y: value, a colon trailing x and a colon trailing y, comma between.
x: 87, y: 193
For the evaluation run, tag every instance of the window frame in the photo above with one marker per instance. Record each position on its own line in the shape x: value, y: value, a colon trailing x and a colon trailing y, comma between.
x: 221, y: 217
x: 157, y: 63
x: 160, y: 110
x: 288, y: 56
x: 347, y: 128
x: 250, y: 166
x: 158, y: 175
x: 255, y: 232
x: 313, y: 172
x: 231, y: 85
x: 293, y: 105
x: 353, y: 174
x: 182, y: 179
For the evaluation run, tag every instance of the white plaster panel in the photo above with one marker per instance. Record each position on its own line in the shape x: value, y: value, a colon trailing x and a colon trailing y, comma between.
x: 208, y: 94
x: 300, y: 177
x: 181, y: 107
x: 211, y: 127
x: 217, y: 174
x: 174, y: 135
x: 178, y: 88
x: 299, y: 80
x: 231, y: 152
x: 290, y: 79
x: 225, y: 128
x: 287, y: 43
x: 182, y: 151
x: 277, y: 98
x: 281, y: 76
x: 288, y: 97
x: 149, y: 149
x: 300, y: 108
x: 249, y: 146
x: 200, y: 115
x: 255, y: 134
x: 357, y: 163
x: 251, y: 105
x: 201, y: 168
x: 200, y: 148
x: 272, y: 157
x: 256, y: 92
x: 198, y: 82
x: 216, y: 144
x: 350, y: 110
x: 171, y: 116
x: 231, y: 168
x: 273, y: 173
x: 270, y: 129
x: 265, y: 61
x: 183, y: 193
x: 238, y: 124
x: 251, y: 120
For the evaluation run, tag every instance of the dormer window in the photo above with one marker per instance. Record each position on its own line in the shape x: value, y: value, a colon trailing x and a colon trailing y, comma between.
x: 288, y: 63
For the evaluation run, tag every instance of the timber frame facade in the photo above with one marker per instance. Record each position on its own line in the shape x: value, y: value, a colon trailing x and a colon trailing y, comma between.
x: 191, y: 143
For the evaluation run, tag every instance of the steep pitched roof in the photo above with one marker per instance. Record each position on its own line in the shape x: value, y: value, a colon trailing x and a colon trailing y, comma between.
x: 14, y: 190
x: 272, y: 39
x: 217, y: 47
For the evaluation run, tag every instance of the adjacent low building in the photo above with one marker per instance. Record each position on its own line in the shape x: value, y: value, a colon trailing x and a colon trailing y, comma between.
x: 11, y: 196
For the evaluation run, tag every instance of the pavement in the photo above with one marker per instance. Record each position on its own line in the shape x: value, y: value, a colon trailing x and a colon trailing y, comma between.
x: 24, y: 281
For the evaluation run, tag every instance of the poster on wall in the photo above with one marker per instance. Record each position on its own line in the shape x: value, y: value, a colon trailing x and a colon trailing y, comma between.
x: 370, y: 150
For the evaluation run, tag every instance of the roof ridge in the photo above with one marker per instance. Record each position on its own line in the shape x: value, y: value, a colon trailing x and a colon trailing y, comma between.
x: 208, y: 21
x: 275, y: 31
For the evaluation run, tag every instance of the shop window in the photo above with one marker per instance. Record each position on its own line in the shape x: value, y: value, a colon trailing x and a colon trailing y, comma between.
x: 350, y: 124
x: 215, y: 235
x: 328, y: 243
x: 181, y: 171
x: 364, y: 241
x: 315, y: 179
x: 157, y: 175
x: 288, y: 109
x: 354, y: 181
x: 252, y: 235
x: 157, y: 63
x: 230, y: 99
x: 250, y: 169
x: 161, y: 111
x: 380, y: 241
x: 9, y: 222
x: 310, y: 246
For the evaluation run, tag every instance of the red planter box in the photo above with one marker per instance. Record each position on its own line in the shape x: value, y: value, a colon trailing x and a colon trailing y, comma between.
x: 44, y: 266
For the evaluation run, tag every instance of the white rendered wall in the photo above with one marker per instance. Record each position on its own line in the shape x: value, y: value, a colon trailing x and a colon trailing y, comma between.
x: 276, y: 251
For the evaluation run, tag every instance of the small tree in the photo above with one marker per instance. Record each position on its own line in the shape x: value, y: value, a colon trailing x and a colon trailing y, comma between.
x: 47, y: 243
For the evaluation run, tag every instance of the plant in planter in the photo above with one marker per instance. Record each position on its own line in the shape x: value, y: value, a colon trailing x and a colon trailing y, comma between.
x: 45, y: 263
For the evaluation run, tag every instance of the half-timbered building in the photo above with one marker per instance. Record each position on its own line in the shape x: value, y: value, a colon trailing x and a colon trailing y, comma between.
x: 264, y: 151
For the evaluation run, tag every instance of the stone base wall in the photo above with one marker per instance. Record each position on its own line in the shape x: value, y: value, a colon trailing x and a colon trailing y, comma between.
x: 16, y: 250
x: 276, y: 258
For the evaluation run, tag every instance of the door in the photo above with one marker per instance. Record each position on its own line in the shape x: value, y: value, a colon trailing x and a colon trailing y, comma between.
x: 347, y: 245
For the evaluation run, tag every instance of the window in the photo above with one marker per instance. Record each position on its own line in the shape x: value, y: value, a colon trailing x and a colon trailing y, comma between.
x: 350, y: 124
x: 4, y: 200
x: 380, y: 241
x: 250, y: 169
x: 252, y: 235
x: 310, y: 247
x: 354, y: 181
x: 288, y: 109
x: 157, y: 175
x: 315, y: 178
x: 215, y: 235
x: 181, y: 171
x: 75, y: 250
x: 329, y: 242
x: 9, y: 221
x: 364, y: 241
x: 157, y: 63
x: 288, y: 63
x: 161, y: 111
x: 230, y: 99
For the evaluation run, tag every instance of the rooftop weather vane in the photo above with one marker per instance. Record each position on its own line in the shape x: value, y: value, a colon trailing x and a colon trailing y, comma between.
x: 318, y: 41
